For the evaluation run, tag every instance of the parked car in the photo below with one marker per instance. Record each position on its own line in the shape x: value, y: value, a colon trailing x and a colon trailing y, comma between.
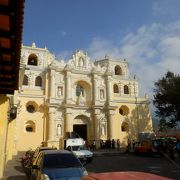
x: 77, y: 146
x: 155, y: 146
x: 82, y: 153
x: 128, y: 175
x: 39, y: 149
x: 30, y: 158
x: 57, y: 164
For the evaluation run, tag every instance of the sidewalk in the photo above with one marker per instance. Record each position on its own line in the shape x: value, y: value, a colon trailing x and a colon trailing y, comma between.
x: 108, y: 152
x: 14, y: 169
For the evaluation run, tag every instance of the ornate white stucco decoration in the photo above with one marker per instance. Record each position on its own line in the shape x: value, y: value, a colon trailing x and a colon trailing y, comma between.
x: 109, y: 69
x: 24, y: 56
x: 80, y: 61
x: 56, y: 63
x: 23, y: 60
x: 31, y: 76
x: 62, y: 63
x: 80, y: 100
x: 59, y: 79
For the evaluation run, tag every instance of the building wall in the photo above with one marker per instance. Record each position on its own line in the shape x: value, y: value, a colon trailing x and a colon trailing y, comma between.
x: 108, y: 104
x: 3, y: 130
x: 10, y: 140
x: 26, y: 140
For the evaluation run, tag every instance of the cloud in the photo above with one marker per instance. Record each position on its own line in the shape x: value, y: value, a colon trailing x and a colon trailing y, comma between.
x: 100, y: 47
x: 63, y: 33
x: 63, y: 55
x: 166, y: 7
x: 151, y: 50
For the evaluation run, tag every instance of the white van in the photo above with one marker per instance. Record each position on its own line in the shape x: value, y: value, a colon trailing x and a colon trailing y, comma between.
x: 77, y: 146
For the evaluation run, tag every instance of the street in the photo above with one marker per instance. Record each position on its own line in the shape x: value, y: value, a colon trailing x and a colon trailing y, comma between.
x: 129, y: 162
x: 113, y: 162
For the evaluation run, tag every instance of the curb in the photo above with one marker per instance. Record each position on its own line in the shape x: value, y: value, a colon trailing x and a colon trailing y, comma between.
x: 99, y: 154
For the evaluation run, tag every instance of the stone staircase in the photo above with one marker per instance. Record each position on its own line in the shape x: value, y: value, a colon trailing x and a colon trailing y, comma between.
x: 13, y: 168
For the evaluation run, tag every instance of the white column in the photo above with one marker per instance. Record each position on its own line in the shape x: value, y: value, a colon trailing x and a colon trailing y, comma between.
x: 111, y: 125
x: 52, y: 84
x: 94, y: 88
x: 68, y: 86
x: 68, y: 122
x: 96, y: 127
x: 108, y: 89
x: 51, y: 128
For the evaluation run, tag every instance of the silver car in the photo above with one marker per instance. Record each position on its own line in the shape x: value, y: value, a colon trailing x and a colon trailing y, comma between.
x: 56, y: 165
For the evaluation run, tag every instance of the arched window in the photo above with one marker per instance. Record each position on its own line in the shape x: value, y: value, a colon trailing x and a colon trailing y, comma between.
x: 38, y: 81
x: 125, y: 126
x: 126, y: 89
x: 31, y: 108
x: 79, y: 90
x: 25, y: 80
x: 118, y: 70
x: 32, y: 60
x: 115, y: 88
x: 30, y: 126
x: 124, y: 110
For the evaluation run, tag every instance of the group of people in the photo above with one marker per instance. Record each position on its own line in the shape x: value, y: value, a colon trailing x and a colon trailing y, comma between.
x: 110, y: 144
x: 168, y: 147
x: 104, y: 144
x: 131, y: 145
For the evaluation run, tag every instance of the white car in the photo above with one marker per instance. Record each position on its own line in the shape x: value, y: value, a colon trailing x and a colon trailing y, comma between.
x: 81, y: 153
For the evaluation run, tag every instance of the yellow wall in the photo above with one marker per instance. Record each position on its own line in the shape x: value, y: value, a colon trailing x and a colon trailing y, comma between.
x: 139, y: 120
x: 10, y: 141
x: 25, y: 138
x: 3, y: 130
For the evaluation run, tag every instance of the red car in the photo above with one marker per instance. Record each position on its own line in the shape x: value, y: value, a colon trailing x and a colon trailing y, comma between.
x: 128, y: 175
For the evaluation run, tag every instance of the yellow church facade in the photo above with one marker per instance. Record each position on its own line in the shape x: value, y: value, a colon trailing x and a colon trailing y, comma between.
x: 99, y: 100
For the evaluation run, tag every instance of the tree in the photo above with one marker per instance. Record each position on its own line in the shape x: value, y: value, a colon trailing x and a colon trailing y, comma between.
x: 167, y: 100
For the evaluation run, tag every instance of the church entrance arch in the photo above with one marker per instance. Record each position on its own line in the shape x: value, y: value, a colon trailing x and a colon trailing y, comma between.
x: 80, y: 126
x: 81, y: 130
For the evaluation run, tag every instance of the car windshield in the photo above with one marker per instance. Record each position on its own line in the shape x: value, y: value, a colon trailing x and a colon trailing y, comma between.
x: 37, y: 151
x: 75, y: 148
x: 78, y: 148
x: 60, y: 161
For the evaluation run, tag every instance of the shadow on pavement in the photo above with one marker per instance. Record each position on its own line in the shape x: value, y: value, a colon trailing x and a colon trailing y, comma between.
x: 19, y: 168
x: 17, y: 178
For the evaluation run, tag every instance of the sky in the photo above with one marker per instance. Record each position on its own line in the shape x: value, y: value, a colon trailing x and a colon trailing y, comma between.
x: 144, y: 32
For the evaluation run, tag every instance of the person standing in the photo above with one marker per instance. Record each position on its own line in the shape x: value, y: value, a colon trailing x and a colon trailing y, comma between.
x: 94, y: 145
x: 113, y: 144
x: 118, y: 144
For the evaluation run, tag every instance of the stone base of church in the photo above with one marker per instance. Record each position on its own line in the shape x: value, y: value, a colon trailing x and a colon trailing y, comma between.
x: 51, y: 143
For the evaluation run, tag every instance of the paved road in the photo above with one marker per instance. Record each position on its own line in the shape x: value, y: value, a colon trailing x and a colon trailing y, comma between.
x: 128, y: 162
x: 112, y: 162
